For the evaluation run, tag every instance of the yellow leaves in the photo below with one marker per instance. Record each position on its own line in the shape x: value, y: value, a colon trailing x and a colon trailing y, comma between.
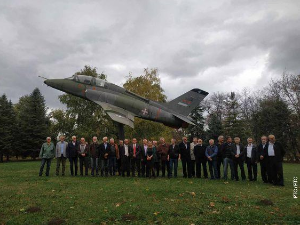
x: 193, y: 194
x: 211, y: 204
x: 118, y: 204
x: 22, y: 210
x: 155, y: 213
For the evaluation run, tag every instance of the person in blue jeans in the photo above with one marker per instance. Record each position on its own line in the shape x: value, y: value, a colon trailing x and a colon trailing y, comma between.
x: 173, y: 156
x: 211, y: 154
x: 228, y: 154
x: 46, y: 154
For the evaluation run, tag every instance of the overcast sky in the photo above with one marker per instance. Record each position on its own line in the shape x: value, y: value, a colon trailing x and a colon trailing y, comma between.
x: 212, y: 45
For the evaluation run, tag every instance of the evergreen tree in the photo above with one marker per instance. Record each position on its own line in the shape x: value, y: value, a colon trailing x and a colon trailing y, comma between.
x: 273, y: 117
x: 33, y: 123
x: 7, y: 121
x: 233, y: 125
x: 215, y: 128
x: 197, y: 117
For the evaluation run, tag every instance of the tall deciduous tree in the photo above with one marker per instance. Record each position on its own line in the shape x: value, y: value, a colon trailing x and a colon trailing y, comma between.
x: 148, y: 86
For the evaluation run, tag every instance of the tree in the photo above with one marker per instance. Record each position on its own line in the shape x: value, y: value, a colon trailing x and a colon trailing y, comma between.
x: 82, y: 117
x: 215, y: 128
x: 233, y: 124
x: 148, y: 86
x: 7, y: 128
x: 197, y: 117
x: 33, y: 123
x: 274, y: 117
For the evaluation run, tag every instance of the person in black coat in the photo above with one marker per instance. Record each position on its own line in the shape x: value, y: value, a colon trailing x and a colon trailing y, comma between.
x: 238, y: 159
x: 125, y: 157
x: 274, y: 154
x: 173, y: 156
x: 104, y: 151
x: 119, y: 161
x: 261, y: 150
x: 220, y: 159
x: 201, y: 159
x: 251, y: 156
x: 143, y: 155
x: 228, y: 154
x: 135, y: 158
x: 72, y: 154
x: 185, y: 154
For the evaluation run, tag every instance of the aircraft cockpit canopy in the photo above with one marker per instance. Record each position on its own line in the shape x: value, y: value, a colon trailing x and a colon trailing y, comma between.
x: 88, y: 80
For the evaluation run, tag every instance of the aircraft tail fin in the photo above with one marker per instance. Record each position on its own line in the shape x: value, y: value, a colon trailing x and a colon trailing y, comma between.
x: 185, y: 103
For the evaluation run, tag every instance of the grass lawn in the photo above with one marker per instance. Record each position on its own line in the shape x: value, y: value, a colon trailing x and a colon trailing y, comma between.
x: 26, y: 198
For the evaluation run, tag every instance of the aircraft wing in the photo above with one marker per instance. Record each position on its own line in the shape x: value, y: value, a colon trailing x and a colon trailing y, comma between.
x: 185, y: 119
x: 117, y: 114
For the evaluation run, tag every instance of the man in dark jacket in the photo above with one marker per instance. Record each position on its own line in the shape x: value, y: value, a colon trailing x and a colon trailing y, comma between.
x: 274, y: 154
x: 251, y: 159
x: 173, y: 156
x: 135, y: 158
x: 125, y: 157
x: 104, y: 151
x: 228, y: 155
x: 261, y: 151
x: 94, y: 154
x: 238, y: 159
x: 113, y: 155
x: 201, y: 159
x: 220, y: 159
x: 143, y: 155
x: 119, y: 161
x: 185, y: 154
x: 162, y: 150
x: 72, y: 154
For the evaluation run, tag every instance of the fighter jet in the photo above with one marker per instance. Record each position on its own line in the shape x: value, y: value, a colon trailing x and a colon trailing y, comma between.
x: 122, y: 105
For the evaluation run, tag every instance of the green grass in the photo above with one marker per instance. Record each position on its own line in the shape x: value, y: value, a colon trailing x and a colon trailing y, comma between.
x: 117, y: 200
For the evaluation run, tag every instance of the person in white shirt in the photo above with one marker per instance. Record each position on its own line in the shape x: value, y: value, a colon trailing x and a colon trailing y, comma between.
x: 251, y: 159
x: 61, y: 155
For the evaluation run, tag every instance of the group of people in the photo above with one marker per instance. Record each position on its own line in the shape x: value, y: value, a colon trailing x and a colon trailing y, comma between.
x: 151, y: 157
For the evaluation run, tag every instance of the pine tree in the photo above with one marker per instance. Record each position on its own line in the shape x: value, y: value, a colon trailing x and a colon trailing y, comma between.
x: 7, y: 121
x: 33, y: 123
x: 215, y: 128
x: 233, y: 125
x: 197, y: 117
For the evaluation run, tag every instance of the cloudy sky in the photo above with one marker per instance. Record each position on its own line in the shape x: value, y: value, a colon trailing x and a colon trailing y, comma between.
x: 212, y: 45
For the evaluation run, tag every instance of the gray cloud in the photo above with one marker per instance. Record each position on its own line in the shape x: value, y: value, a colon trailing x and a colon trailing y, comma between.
x: 217, y: 46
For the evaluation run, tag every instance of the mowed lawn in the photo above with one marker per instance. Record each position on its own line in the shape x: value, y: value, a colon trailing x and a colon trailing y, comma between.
x: 26, y: 198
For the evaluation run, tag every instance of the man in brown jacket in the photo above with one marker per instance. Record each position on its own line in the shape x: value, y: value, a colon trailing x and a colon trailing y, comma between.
x: 163, y: 150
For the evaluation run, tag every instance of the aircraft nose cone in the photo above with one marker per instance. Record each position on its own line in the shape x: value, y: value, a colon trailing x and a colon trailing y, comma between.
x: 55, y: 83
